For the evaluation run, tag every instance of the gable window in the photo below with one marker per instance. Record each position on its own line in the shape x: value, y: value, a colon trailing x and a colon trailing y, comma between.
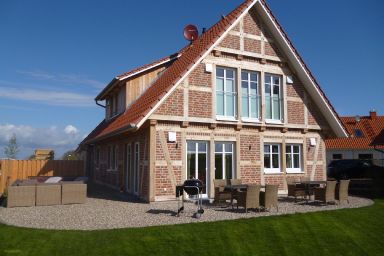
x: 226, y: 93
x: 273, y: 95
x: 224, y: 161
x: 250, y: 99
x: 293, y: 158
x: 272, y: 158
x: 337, y: 156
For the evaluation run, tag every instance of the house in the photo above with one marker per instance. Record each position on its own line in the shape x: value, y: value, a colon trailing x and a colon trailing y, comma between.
x: 238, y: 102
x: 366, y: 139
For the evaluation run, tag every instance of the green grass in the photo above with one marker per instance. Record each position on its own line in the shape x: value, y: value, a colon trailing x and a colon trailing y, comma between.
x: 342, y: 232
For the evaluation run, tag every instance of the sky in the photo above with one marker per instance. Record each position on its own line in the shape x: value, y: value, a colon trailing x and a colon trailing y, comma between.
x: 56, y: 56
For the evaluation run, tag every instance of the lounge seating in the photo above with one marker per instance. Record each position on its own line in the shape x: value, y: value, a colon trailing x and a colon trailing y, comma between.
x: 221, y: 195
x: 342, y: 191
x: 295, y: 190
x: 73, y: 193
x: 326, y: 194
x: 268, y: 199
x: 235, y: 181
x: 21, y: 196
x: 249, y: 198
x: 48, y: 194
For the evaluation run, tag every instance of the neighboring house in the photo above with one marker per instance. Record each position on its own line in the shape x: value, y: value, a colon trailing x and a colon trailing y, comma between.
x: 238, y: 102
x: 366, y: 139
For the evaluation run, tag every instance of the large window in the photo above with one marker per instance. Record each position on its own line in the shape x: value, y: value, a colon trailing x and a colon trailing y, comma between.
x: 136, y: 168
x: 272, y: 158
x: 226, y: 93
x: 112, y: 157
x: 273, y: 102
x: 293, y: 158
x: 250, y: 99
x: 224, y: 167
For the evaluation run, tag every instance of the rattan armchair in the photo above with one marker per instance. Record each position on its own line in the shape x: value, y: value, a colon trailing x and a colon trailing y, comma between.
x: 342, y: 191
x: 48, y: 194
x: 326, y: 194
x: 221, y: 195
x: 21, y: 196
x: 249, y: 198
x: 268, y: 199
x: 73, y: 192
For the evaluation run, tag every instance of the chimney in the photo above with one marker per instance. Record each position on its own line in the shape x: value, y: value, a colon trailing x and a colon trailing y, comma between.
x: 373, y: 114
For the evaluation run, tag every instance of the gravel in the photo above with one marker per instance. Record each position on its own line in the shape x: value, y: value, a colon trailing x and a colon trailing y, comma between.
x: 106, y: 213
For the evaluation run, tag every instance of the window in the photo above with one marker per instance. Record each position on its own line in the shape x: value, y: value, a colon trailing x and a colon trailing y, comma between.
x: 293, y: 158
x: 226, y: 93
x: 112, y: 157
x: 365, y: 156
x: 273, y: 100
x: 224, y: 167
x: 97, y: 157
x: 272, y: 158
x: 136, y: 168
x: 250, y: 99
x: 337, y: 156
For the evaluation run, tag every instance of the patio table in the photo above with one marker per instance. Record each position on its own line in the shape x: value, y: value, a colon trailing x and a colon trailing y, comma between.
x: 310, y: 185
x: 235, y: 188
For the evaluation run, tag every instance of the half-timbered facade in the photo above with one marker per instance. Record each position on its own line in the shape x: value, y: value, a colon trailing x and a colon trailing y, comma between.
x: 238, y: 102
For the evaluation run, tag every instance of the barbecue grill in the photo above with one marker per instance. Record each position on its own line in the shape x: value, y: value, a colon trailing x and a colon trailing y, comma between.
x: 193, y: 188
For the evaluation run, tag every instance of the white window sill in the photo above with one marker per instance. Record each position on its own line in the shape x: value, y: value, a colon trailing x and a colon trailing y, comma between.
x: 295, y: 171
x: 250, y: 120
x: 271, y: 121
x: 273, y: 172
x: 226, y: 118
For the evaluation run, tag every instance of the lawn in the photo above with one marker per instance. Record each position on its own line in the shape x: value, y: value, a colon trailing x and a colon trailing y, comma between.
x: 342, y: 232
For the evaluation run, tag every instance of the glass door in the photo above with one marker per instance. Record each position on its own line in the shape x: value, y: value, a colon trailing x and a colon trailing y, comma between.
x: 197, y: 162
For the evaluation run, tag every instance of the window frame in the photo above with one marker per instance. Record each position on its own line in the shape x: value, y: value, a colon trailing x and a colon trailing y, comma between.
x: 281, y: 100
x: 224, y: 92
x: 292, y: 154
x: 224, y: 153
x: 249, y: 96
x: 273, y: 170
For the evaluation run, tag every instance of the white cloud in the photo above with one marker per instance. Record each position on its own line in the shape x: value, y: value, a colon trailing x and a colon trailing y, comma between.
x: 56, y: 98
x: 63, y: 78
x: 30, y: 138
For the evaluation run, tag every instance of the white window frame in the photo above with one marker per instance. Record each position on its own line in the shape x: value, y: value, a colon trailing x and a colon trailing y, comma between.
x: 294, y: 170
x: 223, y: 153
x: 249, y: 96
x: 234, y: 93
x: 274, y: 120
x: 272, y: 170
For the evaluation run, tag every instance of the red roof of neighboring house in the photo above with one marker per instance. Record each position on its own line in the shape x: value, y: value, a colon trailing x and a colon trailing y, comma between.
x: 366, y: 132
x: 189, y: 56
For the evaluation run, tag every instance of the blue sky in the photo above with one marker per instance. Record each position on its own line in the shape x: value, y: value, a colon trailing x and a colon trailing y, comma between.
x: 55, y: 56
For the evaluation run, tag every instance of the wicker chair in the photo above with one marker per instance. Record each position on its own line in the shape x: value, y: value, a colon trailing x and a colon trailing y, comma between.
x: 295, y: 190
x: 326, y: 194
x: 268, y: 199
x: 221, y: 195
x: 235, y: 182
x: 249, y: 198
x: 342, y: 191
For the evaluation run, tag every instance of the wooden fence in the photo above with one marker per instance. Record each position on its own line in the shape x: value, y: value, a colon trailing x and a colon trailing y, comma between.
x: 11, y: 170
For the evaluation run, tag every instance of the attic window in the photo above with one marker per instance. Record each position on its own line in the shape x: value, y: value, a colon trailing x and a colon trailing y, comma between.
x: 359, y: 133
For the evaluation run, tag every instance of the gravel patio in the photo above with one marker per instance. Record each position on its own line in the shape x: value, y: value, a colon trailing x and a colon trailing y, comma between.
x: 106, y: 209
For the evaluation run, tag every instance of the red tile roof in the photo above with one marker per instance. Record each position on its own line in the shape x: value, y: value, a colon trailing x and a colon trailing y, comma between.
x: 371, y: 131
x: 190, y: 55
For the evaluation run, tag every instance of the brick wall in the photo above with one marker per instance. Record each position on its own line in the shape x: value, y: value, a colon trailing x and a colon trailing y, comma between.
x: 172, y: 106
x: 251, y: 23
x: 252, y: 45
x: 271, y: 50
x: 231, y: 42
x: 296, y: 89
x: 199, y: 77
x: 200, y: 104
x: 295, y: 112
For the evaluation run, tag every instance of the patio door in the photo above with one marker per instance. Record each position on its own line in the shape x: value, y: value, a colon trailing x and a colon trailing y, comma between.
x: 128, y: 168
x: 197, y: 162
x: 136, y: 168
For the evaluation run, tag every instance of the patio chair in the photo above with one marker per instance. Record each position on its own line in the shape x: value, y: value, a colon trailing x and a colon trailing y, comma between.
x: 220, y: 193
x: 326, y: 194
x: 268, y: 199
x: 295, y: 190
x: 342, y: 191
x: 21, y: 196
x: 235, y: 182
x: 249, y: 198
